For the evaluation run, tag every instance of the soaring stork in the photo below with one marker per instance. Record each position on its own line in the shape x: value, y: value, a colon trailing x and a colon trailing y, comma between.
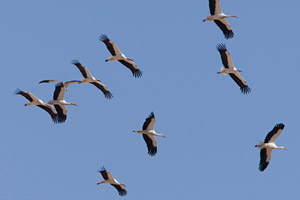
x: 231, y: 70
x: 149, y: 133
x: 109, y: 179
x: 88, y: 78
x: 219, y: 18
x: 268, y: 145
x: 66, y: 84
x: 59, y: 103
x: 117, y: 55
x: 33, y: 101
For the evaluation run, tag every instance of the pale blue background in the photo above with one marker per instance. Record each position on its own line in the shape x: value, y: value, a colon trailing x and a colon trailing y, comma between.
x: 211, y: 127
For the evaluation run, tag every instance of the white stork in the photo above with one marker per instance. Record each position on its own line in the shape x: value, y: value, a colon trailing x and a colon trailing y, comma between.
x: 149, y: 133
x: 88, y: 78
x: 117, y: 55
x: 268, y: 145
x: 219, y: 18
x: 66, y: 84
x: 33, y: 101
x: 109, y: 179
x: 59, y: 103
x: 231, y: 70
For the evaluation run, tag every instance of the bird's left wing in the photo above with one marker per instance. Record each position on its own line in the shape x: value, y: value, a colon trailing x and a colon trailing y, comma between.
x: 61, y: 113
x: 241, y: 82
x: 59, y: 92
x: 151, y: 144
x: 111, y: 46
x: 274, y: 133
x: 225, y: 27
x: 48, y: 81
x: 225, y: 56
x: 149, y: 122
x: 214, y: 7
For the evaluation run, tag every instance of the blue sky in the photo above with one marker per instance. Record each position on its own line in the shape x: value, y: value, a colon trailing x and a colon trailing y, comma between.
x: 211, y: 127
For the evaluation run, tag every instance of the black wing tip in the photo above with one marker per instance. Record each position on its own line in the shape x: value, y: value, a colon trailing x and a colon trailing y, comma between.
x: 152, y: 152
x: 280, y: 126
x: 75, y: 62
x: 44, y: 81
x: 221, y: 47
x: 104, y: 38
x: 245, y: 90
x: 108, y: 95
x: 102, y: 169
x: 18, y: 91
x: 59, y: 84
x: 122, y: 192
x: 151, y: 115
x: 263, y: 166
x: 137, y: 74
x: 229, y: 35
x: 61, y: 119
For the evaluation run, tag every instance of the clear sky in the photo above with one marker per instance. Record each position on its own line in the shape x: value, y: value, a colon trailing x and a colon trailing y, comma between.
x: 211, y: 127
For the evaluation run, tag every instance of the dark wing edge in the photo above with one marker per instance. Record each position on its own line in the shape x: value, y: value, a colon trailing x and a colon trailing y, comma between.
x: 148, y: 120
x: 222, y: 50
x: 152, y: 150
x: 212, y: 6
x: 135, y: 72
x: 79, y: 66
x: 48, y: 110
x: 121, y: 191
x: 245, y: 89
x: 106, y: 93
x: 103, y: 172
x: 108, y: 43
x: 274, y: 131
x: 24, y: 94
x: 61, y: 117
x: 263, y: 164
x: 227, y: 33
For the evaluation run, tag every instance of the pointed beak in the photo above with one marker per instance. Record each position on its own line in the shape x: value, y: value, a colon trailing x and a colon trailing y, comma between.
x: 285, y: 149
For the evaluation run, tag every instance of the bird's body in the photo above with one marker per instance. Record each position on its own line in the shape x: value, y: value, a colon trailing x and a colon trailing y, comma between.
x: 88, y: 78
x: 33, y: 101
x: 231, y: 70
x: 268, y: 145
x: 149, y: 133
x: 109, y: 179
x: 118, y: 56
x: 65, y: 84
x: 219, y: 18
x: 60, y: 103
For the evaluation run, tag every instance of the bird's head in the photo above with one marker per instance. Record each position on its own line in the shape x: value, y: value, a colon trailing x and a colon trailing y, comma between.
x: 100, y: 182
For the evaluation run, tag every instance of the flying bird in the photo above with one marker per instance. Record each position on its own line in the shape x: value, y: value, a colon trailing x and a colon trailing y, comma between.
x: 231, y: 70
x: 59, y: 103
x: 219, y: 18
x: 117, y: 55
x: 65, y: 84
x: 268, y: 145
x: 149, y: 133
x: 33, y: 101
x: 88, y: 78
x: 109, y: 179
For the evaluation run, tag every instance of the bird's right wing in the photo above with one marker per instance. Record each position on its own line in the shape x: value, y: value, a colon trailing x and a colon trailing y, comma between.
x: 49, y: 109
x: 59, y: 92
x: 151, y: 144
x: 103, y: 88
x: 61, y: 113
x: 48, y: 81
x: 265, y: 157
x: 225, y: 27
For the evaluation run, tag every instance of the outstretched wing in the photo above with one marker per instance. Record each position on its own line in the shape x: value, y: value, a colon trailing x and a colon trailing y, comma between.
x: 30, y: 97
x: 241, y: 82
x: 149, y: 122
x: 265, y: 157
x: 132, y: 66
x: 49, y: 109
x: 59, y: 92
x: 225, y: 27
x: 84, y: 71
x: 274, y: 133
x: 214, y: 7
x: 111, y: 46
x: 121, y: 189
x: 151, y: 144
x: 103, y: 88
